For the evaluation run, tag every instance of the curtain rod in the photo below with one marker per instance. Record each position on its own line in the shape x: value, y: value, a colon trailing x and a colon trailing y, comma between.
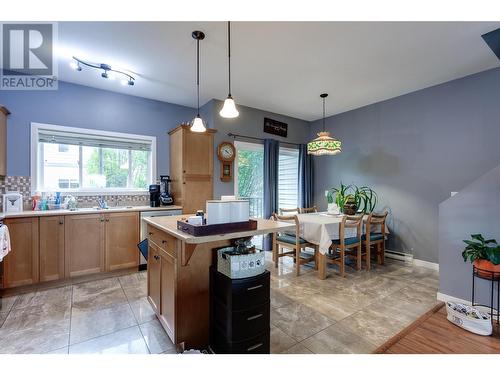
x: 258, y: 139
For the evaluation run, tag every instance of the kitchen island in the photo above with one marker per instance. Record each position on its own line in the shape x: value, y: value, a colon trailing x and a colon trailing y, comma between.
x: 178, y: 276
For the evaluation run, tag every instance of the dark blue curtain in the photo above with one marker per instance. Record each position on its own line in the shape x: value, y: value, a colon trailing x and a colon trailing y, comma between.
x: 271, y: 158
x: 306, y: 178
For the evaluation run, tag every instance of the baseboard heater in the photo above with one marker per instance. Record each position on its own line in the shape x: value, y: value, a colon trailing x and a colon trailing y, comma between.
x: 405, y: 257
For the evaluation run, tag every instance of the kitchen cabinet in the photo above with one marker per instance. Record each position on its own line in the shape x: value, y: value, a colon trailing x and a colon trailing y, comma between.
x: 21, y: 265
x: 154, y: 269
x: 51, y: 248
x: 84, y: 244
x: 162, y: 278
x: 191, y: 167
x: 122, y: 237
x: 4, y: 112
x: 167, y: 288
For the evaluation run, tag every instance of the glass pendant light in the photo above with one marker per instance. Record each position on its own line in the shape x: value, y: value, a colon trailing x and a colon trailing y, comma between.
x: 197, y: 125
x: 324, y: 144
x: 229, y: 109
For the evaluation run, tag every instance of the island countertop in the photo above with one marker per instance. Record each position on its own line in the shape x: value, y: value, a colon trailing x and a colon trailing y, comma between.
x: 168, y: 224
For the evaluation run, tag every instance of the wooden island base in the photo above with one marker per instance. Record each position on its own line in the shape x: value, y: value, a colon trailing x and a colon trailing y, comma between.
x: 179, y: 278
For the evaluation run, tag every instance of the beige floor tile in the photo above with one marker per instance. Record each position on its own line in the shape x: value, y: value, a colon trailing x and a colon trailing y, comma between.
x: 37, y: 339
x: 126, y: 341
x: 299, y: 321
x: 64, y: 350
x: 55, y: 296
x: 280, y: 341
x: 36, y: 315
x: 3, y: 316
x: 338, y: 339
x: 156, y: 338
x: 142, y: 310
x: 97, y: 295
x: 86, y: 325
x: 6, y: 303
x: 298, y: 349
x: 133, y: 280
x: 279, y: 299
x: 136, y: 292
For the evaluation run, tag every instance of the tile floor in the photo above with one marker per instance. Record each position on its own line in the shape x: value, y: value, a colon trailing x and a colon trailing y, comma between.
x: 351, y: 315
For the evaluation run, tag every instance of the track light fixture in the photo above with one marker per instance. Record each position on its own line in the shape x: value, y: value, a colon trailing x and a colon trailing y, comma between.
x: 107, y: 71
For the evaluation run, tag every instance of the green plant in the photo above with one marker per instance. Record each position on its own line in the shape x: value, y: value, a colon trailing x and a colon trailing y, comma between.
x: 364, y: 197
x: 478, y: 248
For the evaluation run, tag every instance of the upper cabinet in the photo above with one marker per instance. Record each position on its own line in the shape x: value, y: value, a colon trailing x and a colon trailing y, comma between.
x: 4, y: 112
x: 191, y: 167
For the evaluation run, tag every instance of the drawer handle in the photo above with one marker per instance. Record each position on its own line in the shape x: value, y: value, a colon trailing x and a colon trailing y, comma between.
x: 163, y: 241
x: 255, y: 317
x: 157, y: 257
x: 254, y: 347
x: 150, y: 233
x: 255, y: 287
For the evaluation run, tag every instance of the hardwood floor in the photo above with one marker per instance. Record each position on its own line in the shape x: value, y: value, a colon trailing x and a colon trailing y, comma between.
x: 434, y: 334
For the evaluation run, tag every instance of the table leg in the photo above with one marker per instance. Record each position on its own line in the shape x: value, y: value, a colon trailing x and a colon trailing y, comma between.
x: 321, y: 266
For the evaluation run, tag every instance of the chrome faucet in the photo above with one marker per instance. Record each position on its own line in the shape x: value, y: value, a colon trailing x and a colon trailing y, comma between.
x: 101, y: 203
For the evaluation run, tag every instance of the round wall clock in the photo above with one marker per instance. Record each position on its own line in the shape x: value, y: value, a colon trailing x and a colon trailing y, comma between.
x: 226, y: 154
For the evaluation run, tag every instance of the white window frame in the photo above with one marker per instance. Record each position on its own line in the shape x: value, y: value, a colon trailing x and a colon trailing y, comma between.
x: 34, y: 157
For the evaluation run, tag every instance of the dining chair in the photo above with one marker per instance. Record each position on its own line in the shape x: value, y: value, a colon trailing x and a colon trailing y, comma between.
x: 308, y: 210
x: 374, y: 237
x: 346, y: 246
x: 289, y: 211
x: 293, y: 245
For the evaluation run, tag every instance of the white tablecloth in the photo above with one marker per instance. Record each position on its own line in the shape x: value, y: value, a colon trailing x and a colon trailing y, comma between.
x: 320, y: 229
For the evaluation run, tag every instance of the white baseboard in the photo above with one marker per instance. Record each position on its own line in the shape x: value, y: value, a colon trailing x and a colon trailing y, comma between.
x: 408, y: 258
x: 447, y: 298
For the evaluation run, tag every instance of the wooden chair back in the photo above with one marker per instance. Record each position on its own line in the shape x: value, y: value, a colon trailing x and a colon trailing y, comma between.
x: 289, y: 211
x: 353, y: 221
x: 307, y: 210
x: 376, y: 220
x: 288, y: 219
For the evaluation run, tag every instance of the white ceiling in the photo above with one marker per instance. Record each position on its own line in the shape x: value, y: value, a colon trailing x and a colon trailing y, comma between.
x: 279, y: 66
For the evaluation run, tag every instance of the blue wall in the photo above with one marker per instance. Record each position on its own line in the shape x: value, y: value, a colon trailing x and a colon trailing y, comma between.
x: 85, y: 107
x: 414, y: 150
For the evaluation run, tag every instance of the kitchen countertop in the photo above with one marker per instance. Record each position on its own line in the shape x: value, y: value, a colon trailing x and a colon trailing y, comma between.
x: 168, y: 224
x: 81, y: 211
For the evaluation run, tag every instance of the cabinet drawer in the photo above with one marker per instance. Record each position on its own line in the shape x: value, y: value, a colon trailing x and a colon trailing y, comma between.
x: 244, y: 293
x: 162, y: 240
x: 242, y: 324
x: 259, y: 344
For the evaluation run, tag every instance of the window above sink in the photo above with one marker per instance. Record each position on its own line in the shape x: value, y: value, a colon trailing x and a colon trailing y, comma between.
x: 76, y: 160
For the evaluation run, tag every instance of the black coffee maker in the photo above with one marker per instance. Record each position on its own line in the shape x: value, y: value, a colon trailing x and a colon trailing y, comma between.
x: 165, y: 196
x: 154, y: 195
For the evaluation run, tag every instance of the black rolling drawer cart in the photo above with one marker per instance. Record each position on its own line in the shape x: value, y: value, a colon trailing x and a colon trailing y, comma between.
x: 239, y: 314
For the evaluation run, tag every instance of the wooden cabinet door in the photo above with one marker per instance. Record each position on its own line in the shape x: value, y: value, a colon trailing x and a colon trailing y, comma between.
x: 122, y: 237
x: 154, y: 268
x: 197, y: 152
x: 197, y: 190
x: 84, y: 244
x: 51, y: 248
x: 21, y: 265
x: 168, y: 280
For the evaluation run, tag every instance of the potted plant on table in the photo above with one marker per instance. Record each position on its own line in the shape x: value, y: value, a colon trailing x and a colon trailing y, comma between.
x: 351, y: 198
x: 483, y: 254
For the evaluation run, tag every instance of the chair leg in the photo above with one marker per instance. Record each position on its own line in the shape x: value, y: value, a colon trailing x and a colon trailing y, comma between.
x: 342, y: 262
x: 297, y: 260
x: 368, y: 257
x: 275, y: 254
x: 382, y: 251
x: 358, y: 258
x: 316, y: 257
x: 321, y: 266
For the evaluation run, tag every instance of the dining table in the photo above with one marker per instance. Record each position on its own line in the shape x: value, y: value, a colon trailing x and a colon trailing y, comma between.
x: 320, y: 228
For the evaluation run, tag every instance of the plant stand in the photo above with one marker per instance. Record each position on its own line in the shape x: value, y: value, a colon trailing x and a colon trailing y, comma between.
x: 493, y: 278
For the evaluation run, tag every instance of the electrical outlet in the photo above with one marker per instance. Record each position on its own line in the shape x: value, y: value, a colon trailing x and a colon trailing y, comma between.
x: 453, y: 193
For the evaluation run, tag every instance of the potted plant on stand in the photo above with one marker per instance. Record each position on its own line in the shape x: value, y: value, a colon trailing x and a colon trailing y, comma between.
x: 351, y: 199
x: 484, y: 255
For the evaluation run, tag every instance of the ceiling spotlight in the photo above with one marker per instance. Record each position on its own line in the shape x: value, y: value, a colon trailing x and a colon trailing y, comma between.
x: 76, y: 66
x: 107, y: 71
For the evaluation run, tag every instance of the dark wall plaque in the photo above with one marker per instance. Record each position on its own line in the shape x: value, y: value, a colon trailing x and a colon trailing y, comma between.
x: 275, y: 127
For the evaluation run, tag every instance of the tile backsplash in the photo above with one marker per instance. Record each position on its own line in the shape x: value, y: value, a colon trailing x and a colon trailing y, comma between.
x: 22, y: 184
